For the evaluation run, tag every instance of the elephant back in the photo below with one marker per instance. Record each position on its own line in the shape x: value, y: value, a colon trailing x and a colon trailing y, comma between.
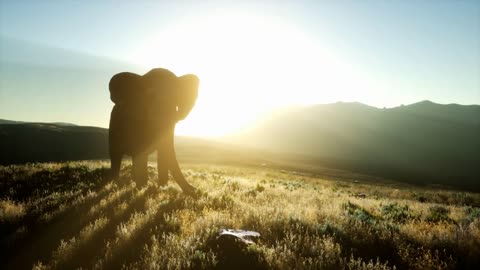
x: 186, y: 94
x: 126, y: 87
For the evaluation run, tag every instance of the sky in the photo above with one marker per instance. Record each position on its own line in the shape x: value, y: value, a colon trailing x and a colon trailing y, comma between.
x: 56, y: 57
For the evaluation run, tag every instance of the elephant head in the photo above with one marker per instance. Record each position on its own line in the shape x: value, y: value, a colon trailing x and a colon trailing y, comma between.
x: 159, y: 87
x: 171, y: 95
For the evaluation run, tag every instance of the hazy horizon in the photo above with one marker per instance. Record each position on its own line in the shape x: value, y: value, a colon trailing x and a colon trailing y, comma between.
x: 57, y: 57
x: 280, y: 108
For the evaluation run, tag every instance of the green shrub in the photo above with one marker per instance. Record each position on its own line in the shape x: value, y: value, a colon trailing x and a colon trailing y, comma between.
x: 396, y: 213
x: 438, y: 214
x: 260, y: 188
x: 221, y: 202
x: 356, y: 212
x: 472, y: 215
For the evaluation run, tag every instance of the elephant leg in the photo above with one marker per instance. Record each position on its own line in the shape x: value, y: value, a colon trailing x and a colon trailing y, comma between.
x: 114, y: 147
x: 140, y: 173
x: 115, y: 163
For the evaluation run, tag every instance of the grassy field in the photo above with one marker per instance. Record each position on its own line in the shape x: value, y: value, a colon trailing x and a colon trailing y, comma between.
x: 70, y: 215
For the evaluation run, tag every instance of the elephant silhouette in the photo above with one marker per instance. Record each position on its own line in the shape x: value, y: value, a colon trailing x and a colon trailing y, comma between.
x: 143, y: 120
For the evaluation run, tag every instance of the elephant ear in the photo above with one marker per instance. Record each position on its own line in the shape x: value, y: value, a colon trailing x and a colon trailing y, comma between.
x: 125, y: 87
x: 187, y: 93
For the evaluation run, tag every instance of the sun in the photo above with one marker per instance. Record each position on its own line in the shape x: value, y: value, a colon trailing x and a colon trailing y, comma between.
x: 247, y: 65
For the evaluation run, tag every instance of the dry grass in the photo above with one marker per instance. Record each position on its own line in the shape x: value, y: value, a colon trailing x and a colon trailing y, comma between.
x: 68, y: 216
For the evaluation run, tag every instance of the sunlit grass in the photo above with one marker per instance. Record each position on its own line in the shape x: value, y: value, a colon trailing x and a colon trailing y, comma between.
x: 76, y: 217
x: 11, y: 211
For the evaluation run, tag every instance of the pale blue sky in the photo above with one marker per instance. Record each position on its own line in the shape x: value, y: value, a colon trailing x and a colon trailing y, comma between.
x: 400, y: 51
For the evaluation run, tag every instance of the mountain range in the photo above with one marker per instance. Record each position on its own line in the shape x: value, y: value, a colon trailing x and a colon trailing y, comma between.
x: 422, y: 142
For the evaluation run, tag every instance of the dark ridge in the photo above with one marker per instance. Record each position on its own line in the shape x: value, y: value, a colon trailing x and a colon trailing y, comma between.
x: 42, y: 142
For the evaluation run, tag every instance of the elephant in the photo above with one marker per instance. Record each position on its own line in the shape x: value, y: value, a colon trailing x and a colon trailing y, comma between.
x: 143, y: 120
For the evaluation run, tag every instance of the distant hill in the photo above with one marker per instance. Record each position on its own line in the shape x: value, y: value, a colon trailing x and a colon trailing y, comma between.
x: 3, y: 121
x: 22, y: 142
x: 36, y: 142
x: 423, y: 142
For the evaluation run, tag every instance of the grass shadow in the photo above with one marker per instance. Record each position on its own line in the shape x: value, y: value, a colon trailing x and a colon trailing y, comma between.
x: 43, y: 236
x: 86, y: 254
